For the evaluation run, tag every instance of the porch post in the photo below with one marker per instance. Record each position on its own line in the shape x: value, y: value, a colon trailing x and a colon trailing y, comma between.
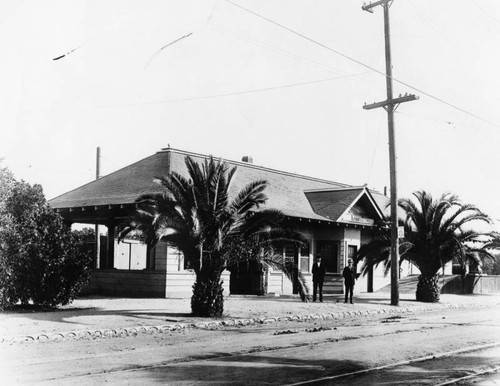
x: 110, y: 253
x: 150, y: 257
x: 370, y: 280
x: 97, y: 248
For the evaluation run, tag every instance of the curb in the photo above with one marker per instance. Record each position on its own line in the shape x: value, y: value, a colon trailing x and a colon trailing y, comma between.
x: 214, y: 324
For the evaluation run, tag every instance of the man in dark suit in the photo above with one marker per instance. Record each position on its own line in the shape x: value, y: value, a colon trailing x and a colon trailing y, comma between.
x: 349, y: 274
x: 318, y: 271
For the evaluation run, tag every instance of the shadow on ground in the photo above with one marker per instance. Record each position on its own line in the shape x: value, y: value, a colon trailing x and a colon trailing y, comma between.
x: 245, y: 370
x: 279, y: 370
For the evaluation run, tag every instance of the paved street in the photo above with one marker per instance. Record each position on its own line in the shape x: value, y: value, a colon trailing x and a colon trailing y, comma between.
x: 275, y: 353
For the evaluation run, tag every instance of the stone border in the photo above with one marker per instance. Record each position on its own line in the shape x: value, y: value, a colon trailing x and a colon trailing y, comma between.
x: 214, y: 324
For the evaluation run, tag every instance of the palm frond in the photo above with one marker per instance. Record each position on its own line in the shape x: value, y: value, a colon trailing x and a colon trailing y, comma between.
x: 250, y: 197
x: 436, y: 232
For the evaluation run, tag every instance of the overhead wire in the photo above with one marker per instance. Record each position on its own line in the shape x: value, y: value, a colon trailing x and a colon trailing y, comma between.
x: 360, y: 63
x: 280, y: 51
x: 427, y: 21
x: 484, y: 12
x: 451, y: 123
x: 222, y: 95
x: 165, y: 46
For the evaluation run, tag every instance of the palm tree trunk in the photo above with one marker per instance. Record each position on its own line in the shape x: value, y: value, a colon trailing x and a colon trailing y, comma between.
x: 207, y: 299
x: 428, y: 288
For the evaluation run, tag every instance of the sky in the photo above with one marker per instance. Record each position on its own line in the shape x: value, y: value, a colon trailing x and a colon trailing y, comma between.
x: 283, y: 81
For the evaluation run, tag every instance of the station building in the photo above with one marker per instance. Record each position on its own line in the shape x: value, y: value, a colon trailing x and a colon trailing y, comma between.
x: 335, y: 218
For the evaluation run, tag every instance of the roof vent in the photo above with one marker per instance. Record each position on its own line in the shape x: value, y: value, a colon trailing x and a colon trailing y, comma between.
x: 247, y: 159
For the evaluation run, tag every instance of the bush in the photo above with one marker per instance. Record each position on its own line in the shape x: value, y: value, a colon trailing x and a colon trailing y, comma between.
x: 40, y: 260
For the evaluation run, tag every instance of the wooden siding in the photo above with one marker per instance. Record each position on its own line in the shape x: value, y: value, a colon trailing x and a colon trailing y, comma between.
x: 275, y: 283
x: 180, y: 284
x: 473, y: 285
x: 174, y: 260
x: 116, y: 282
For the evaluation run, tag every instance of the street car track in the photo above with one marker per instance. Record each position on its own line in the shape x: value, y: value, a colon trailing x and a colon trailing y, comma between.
x: 251, y: 354
x: 277, y: 349
x: 408, y: 362
x: 470, y: 377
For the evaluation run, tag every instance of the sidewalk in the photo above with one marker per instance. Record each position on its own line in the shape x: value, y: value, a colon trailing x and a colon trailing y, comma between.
x: 99, y: 316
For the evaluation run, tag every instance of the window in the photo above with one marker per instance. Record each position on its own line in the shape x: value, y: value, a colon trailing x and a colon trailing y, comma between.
x: 278, y: 249
x: 289, y: 254
x: 352, y: 250
x: 130, y: 254
x: 304, y: 257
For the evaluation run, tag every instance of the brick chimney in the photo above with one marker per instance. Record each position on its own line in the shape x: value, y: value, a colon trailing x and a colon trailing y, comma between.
x: 247, y: 159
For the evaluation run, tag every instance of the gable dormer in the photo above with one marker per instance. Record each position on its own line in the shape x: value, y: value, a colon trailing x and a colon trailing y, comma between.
x: 353, y: 205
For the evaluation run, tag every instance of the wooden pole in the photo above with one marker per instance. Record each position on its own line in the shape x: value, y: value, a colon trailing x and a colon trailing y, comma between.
x: 97, y: 251
x: 390, y: 105
x: 392, y: 164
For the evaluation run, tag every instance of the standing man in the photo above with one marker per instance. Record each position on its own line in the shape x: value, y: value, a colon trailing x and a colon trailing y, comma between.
x: 318, y: 271
x: 349, y: 279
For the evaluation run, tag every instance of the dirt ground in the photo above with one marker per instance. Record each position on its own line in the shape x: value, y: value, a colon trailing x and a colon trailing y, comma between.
x: 283, y: 352
x: 98, y: 313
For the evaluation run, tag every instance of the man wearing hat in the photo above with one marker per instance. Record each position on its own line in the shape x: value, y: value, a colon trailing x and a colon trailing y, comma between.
x: 318, y: 271
x: 349, y: 275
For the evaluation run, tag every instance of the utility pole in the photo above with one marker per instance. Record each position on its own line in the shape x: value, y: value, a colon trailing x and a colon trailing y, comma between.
x: 390, y: 106
x: 98, y: 163
x: 97, y: 251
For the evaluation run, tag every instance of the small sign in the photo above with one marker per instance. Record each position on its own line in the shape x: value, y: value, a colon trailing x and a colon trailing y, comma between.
x: 401, y: 232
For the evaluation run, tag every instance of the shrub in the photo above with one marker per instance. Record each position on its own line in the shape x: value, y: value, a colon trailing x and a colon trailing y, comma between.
x: 40, y: 260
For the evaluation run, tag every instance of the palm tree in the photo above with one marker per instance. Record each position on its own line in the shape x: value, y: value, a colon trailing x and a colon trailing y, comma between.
x: 436, y: 232
x: 214, y: 232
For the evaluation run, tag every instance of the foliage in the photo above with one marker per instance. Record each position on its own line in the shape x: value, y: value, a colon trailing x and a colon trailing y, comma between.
x: 39, y: 257
x: 84, y: 240
x: 492, y: 267
x: 436, y: 232
x: 214, y: 232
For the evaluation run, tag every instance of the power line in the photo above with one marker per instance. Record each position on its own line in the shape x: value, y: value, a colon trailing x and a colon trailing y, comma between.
x: 484, y: 12
x: 304, y: 37
x: 290, y: 85
x: 427, y: 21
x: 453, y: 124
x: 165, y: 46
x: 359, y: 62
x: 289, y: 54
x: 222, y: 95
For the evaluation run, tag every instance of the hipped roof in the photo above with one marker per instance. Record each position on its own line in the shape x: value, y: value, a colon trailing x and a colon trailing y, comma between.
x: 295, y: 195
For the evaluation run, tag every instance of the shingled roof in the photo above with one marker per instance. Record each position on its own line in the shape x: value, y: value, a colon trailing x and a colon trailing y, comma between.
x: 341, y: 204
x: 286, y: 191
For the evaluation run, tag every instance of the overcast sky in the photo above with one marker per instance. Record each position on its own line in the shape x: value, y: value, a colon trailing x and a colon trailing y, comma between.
x: 237, y: 82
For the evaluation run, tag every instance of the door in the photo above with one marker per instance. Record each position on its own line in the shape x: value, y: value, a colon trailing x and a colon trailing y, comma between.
x: 329, y: 252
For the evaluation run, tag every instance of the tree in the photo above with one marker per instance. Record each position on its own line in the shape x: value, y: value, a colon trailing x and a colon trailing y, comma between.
x: 214, y: 232
x: 39, y: 259
x: 436, y: 232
